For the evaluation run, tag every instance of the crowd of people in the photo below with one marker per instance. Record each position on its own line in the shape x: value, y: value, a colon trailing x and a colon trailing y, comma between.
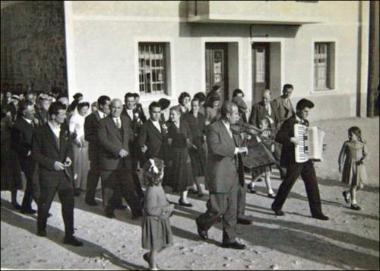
x: 66, y: 148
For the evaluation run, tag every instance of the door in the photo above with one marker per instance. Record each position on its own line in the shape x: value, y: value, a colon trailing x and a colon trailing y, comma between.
x: 260, y: 68
x: 217, y: 68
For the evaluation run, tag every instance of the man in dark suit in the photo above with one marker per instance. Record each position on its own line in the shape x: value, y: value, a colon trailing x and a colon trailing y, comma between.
x: 42, y: 110
x: 22, y: 133
x: 114, y: 135
x: 52, y: 150
x: 152, y: 137
x: 286, y: 137
x: 265, y: 108
x: 91, y: 125
x: 135, y: 117
x: 283, y: 104
x: 223, y: 179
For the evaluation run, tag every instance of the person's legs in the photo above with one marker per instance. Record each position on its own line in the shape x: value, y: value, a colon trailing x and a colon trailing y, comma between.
x: 268, y: 183
x: 216, y: 206
x: 92, y: 182
x: 311, y: 184
x: 66, y: 197
x: 230, y: 215
x: 44, y: 202
x: 126, y: 184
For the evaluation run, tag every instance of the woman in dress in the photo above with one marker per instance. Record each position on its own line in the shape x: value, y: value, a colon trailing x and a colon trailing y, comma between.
x: 80, y: 147
x: 179, y: 174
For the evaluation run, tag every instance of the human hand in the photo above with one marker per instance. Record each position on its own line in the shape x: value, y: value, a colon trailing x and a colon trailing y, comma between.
x: 68, y: 162
x: 144, y: 149
x: 295, y: 140
x: 123, y: 153
x: 58, y: 166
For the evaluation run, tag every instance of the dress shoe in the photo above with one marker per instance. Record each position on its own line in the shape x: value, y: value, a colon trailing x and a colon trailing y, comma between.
x: 71, y: 240
x: 202, y: 233
x: 251, y: 189
x: 182, y: 203
x: 355, y: 207
x: 320, y: 217
x: 271, y: 195
x: 41, y: 233
x: 346, y: 197
x: 278, y: 212
x: 16, y: 205
x: 91, y: 202
x: 121, y: 207
x: 234, y: 245
x: 244, y: 221
x: 28, y: 211
x: 109, y: 213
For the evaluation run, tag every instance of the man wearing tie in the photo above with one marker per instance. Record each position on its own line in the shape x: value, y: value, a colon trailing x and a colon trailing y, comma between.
x: 22, y: 133
x: 223, y: 179
x: 52, y: 150
x: 286, y: 137
x: 91, y: 125
x: 114, y: 135
x: 283, y: 105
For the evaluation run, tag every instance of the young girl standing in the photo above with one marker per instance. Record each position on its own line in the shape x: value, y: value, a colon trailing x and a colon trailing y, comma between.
x: 156, y: 230
x: 351, y: 160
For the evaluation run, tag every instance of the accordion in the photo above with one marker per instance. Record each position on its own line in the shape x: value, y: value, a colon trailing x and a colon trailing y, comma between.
x: 310, y: 143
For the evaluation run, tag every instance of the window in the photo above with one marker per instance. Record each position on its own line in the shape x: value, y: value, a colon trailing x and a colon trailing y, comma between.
x: 153, y: 68
x: 324, y: 65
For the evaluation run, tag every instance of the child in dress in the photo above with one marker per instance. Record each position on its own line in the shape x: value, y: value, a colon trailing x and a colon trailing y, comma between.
x: 351, y: 160
x: 156, y: 230
x: 267, y: 139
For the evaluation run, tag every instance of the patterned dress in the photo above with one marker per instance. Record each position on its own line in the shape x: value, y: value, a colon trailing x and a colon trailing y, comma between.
x: 352, y: 152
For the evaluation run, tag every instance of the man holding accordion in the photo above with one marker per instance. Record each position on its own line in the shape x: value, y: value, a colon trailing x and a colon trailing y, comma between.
x: 289, y: 141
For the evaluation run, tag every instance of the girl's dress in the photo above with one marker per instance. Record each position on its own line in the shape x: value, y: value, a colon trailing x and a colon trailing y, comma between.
x: 156, y: 229
x: 350, y: 154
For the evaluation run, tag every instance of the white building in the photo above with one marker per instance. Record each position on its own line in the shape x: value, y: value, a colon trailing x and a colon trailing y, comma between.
x: 161, y: 49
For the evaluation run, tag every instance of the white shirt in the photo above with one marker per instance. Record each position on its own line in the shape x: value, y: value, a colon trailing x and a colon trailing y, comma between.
x: 268, y: 108
x: 56, y: 129
x: 227, y: 125
x: 116, y: 120
x: 130, y: 113
x: 101, y: 114
x: 76, y: 125
x: 156, y: 124
x: 28, y: 120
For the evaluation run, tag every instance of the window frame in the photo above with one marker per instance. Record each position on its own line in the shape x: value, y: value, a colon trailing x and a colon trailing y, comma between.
x: 331, y: 59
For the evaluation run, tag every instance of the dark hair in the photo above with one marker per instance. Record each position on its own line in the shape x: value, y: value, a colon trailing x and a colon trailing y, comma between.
x: 304, y: 103
x: 129, y: 95
x: 102, y: 100
x: 195, y: 100
x: 182, y: 97
x: 200, y: 96
x: 81, y: 105
x: 62, y: 96
x: 77, y: 95
x: 227, y: 108
x: 286, y: 87
x: 23, y: 105
x: 164, y: 103
x: 150, y: 177
x: 55, y: 107
x: 356, y: 131
x: 136, y: 95
x: 237, y: 92
x: 154, y: 104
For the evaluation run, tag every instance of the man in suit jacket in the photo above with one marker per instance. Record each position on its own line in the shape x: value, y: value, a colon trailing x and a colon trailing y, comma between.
x: 136, y: 119
x: 42, y: 110
x: 152, y: 137
x: 114, y: 135
x: 22, y: 133
x: 286, y: 137
x: 223, y: 179
x: 265, y: 108
x: 283, y: 104
x: 91, y: 125
x: 52, y: 150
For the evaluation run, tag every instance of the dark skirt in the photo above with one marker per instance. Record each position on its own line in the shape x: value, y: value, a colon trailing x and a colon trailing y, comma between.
x: 11, y: 179
x: 258, y: 157
x: 179, y: 173
x: 156, y: 233
x: 198, y: 160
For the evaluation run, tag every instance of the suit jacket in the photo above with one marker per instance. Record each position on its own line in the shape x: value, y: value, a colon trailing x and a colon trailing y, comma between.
x: 222, y: 163
x: 283, y: 110
x: 111, y: 141
x: 259, y: 112
x: 22, y: 135
x: 45, y: 151
x: 283, y: 136
x: 91, y: 125
x: 153, y: 139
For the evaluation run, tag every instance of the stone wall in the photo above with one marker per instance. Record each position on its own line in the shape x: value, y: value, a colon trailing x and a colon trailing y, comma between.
x: 33, y: 46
